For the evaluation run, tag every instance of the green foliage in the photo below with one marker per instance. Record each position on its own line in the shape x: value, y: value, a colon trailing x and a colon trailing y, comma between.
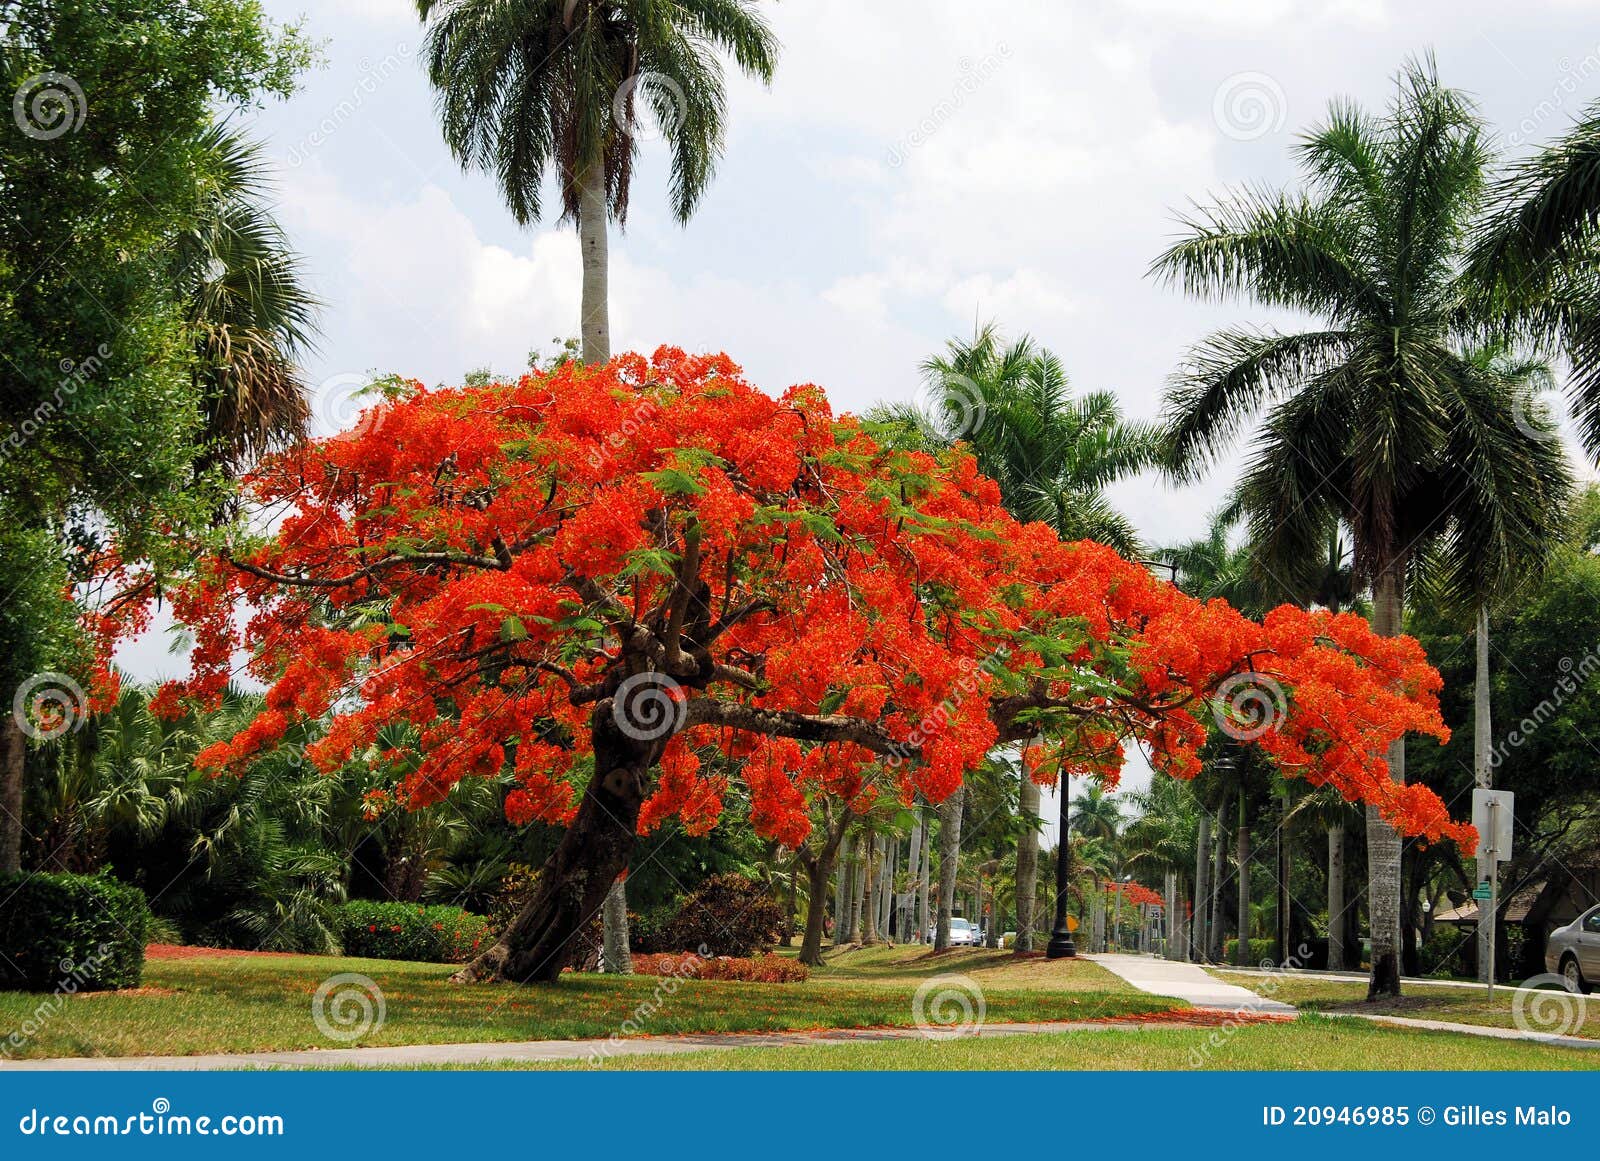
x: 437, y: 934
x: 71, y: 932
x: 1449, y: 951
x: 1262, y: 951
x: 725, y: 915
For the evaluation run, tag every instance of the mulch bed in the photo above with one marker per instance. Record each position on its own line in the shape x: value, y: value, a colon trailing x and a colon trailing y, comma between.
x: 179, y: 951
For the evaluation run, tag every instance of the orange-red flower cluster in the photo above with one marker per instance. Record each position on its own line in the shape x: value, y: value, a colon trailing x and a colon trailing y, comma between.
x: 452, y: 589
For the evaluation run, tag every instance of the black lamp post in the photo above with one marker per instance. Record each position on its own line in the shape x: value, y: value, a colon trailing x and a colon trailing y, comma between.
x: 1061, y: 945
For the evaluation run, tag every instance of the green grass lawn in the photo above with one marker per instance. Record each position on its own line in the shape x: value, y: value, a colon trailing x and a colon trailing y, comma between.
x: 1419, y: 1001
x: 245, y: 1004
x: 1312, y: 1042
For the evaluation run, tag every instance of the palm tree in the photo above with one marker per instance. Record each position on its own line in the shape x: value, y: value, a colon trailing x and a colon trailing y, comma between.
x: 248, y: 308
x: 1376, y: 420
x: 530, y: 88
x: 1052, y: 453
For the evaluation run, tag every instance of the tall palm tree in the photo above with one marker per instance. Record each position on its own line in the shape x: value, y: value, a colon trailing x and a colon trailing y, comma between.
x: 536, y: 88
x: 1052, y: 453
x: 248, y: 307
x: 1374, y: 420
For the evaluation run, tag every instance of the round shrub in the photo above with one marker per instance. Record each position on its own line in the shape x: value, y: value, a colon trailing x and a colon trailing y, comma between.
x: 725, y: 915
x: 80, y: 933
x: 437, y: 934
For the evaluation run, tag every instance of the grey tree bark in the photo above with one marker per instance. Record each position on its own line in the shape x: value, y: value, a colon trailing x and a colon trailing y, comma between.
x: 858, y: 888
x: 924, y: 882
x: 1202, y: 890
x: 1336, y: 916
x: 870, y: 885
x: 909, y: 930
x: 595, y: 321
x: 1027, y: 862
x: 614, y: 954
x: 949, y: 857
x: 1219, y: 866
x: 1383, y: 841
x: 841, y: 895
x: 1241, y: 838
x: 1482, y: 776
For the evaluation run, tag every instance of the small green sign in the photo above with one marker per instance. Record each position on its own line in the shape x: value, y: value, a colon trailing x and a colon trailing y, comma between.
x: 1481, y: 891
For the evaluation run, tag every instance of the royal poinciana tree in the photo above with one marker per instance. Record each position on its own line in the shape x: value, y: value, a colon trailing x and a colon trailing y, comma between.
x: 593, y: 577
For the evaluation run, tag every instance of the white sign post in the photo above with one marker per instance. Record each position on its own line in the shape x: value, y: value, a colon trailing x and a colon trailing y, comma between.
x: 1493, y: 812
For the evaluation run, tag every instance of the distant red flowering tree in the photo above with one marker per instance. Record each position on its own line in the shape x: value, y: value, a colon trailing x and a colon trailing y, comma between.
x: 594, y: 577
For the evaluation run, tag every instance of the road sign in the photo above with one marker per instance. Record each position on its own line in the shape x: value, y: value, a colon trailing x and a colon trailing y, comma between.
x: 1492, y: 815
x: 1072, y: 923
x: 1482, y: 891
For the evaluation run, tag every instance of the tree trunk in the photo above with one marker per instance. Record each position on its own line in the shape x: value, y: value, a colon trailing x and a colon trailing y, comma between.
x: 1383, y: 841
x: 858, y: 884
x: 1027, y: 862
x: 886, y: 885
x: 1202, y: 890
x: 949, y: 857
x: 1482, y: 777
x: 1282, y: 913
x: 615, y: 956
x: 924, y: 882
x: 1219, y: 865
x: 575, y: 879
x: 794, y: 903
x: 910, y: 931
x: 841, y: 896
x: 817, y: 873
x: 872, y: 883
x: 1336, y: 916
x: 592, y: 242
x: 1241, y: 953
x: 13, y: 764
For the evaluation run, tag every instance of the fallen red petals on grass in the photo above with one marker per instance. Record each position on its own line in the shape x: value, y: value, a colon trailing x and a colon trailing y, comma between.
x: 180, y: 951
x: 1194, y: 1018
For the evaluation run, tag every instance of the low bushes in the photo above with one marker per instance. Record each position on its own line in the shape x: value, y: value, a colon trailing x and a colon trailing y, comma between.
x: 79, y: 933
x: 435, y: 934
x: 760, y: 969
x: 1262, y: 951
x: 725, y: 915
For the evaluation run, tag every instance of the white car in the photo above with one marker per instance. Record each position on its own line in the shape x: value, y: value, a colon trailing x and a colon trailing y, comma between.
x: 1573, y: 951
x: 963, y: 933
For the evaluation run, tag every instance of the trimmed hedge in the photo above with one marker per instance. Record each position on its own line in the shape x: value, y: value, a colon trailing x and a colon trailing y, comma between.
x: 437, y: 934
x: 74, y: 933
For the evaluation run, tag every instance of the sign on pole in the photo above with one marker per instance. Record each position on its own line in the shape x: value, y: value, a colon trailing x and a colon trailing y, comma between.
x: 1492, y: 812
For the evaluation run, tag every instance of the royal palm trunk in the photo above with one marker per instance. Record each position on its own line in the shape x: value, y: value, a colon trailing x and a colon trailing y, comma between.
x: 949, y: 857
x: 1383, y: 841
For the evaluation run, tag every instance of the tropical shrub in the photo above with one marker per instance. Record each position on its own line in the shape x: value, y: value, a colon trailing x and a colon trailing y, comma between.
x: 1448, y: 952
x: 726, y: 915
x: 78, y: 933
x: 437, y: 934
x: 1262, y: 951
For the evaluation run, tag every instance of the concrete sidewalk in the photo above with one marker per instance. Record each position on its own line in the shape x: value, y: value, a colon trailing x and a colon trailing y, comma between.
x: 1187, y: 981
x: 433, y: 1055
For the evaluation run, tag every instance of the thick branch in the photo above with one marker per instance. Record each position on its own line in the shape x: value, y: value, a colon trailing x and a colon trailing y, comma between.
x: 777, y: 723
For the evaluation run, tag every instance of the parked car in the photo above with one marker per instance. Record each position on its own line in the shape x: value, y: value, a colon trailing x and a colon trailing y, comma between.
x: 1573, y: 951
x: 963, y: 933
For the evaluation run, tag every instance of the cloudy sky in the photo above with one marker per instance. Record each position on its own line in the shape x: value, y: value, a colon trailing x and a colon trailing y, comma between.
x: 915, y: 166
